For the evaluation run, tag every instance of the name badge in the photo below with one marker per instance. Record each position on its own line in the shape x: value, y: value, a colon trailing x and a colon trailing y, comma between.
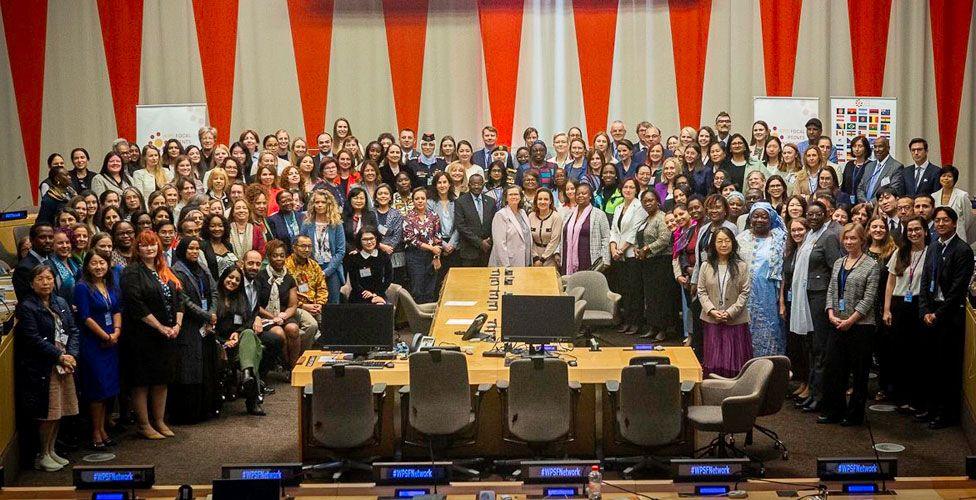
x: 789, y: 296
x: 108, y: 319
x: 843, y: 304
x: 853, y: 200
x: 382, y: 229
x: 885, y: 181
x: 365, y: 273
x: 238, y: 319
x: 203, y: 304
x: 62, y: 338
x: 908, y: 297
x: 303, y: 288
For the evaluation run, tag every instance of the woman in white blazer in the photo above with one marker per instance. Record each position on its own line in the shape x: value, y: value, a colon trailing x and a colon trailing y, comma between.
x: 955, y: 198
x: 510, y: 234
x: 153, y: 174
x: 624, y: 275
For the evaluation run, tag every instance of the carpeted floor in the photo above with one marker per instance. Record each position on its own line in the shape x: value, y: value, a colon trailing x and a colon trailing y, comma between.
x: 194, y: 456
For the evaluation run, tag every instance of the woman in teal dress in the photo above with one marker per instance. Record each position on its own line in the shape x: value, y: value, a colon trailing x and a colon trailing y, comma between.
x: 762, y: 247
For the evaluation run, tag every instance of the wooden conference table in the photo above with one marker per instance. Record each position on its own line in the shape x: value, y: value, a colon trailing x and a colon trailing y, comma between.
x: 468, y: 292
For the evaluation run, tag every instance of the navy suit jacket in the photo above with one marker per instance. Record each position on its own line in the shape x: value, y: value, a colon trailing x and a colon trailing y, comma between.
x: 929, y: 183
x: 279, y: 228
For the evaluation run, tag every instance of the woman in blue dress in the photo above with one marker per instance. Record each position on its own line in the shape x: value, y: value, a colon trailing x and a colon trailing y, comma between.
x: 98, y: 304
x: 762, y: 246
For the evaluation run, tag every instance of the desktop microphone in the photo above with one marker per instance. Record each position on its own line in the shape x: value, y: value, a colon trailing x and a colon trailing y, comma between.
x: 15, y: 200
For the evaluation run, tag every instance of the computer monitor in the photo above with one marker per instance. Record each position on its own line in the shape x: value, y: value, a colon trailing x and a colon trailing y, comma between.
x: 357, y: 328
x: 538, y: 319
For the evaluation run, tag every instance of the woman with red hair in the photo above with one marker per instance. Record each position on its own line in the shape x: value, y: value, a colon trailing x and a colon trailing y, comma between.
x: 151, y: 322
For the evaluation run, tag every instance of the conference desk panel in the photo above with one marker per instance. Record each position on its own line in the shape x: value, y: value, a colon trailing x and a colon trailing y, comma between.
x: 955, y: 488
x: 471, y: 291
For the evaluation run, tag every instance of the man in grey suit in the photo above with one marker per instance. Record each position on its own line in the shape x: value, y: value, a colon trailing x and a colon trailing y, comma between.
x: 473, y: 214
x: 886, y: 172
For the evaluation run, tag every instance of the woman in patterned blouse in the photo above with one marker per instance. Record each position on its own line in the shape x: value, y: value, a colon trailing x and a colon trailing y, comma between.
x: 421, y: 228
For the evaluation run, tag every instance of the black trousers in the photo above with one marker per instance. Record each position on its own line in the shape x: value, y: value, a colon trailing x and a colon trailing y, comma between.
x: 627, y: 279
x: 697, y: 329
x: 946, y: 388
x: 908, y: 344
x: 479, y: 261
x: 817, y: 347
x: 848, y: 358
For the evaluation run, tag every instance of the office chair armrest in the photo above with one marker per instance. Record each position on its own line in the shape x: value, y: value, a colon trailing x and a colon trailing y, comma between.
x: 405, y: 390
x: 379, y: 388
x: 613, y: 386
x: 575, y: 390
x: 614, y: 296
x: 687, y: 386
x: 307, y: 390
x: 430, y: 308
x: 482, y: 389
x: 739, y: 412
x: 715, y: 391
x: 502, y: 385
x: 715, y: 376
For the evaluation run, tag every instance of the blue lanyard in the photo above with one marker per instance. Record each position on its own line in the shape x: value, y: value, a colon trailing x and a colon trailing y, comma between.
x: 842, y: 276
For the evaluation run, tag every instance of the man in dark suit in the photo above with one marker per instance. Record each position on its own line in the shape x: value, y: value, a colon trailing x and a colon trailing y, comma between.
x: 482, y: 157
x: 408, y: 143
x: 922, y: 176
x: 287, y: 222
x: 944, y: 286
x: 473, y: 214
x: 886, y: 171
x: 888, y: 210
x: 324, y: 143
x: 42, y: 244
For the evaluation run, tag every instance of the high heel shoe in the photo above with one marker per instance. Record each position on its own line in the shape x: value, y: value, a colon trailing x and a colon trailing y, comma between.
x: 149, y: 433
x: 164, y: 430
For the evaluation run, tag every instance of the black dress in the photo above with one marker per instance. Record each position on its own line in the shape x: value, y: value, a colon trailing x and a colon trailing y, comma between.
x: 374, y: 274
x: 193, y: 395
x: 148, y: 357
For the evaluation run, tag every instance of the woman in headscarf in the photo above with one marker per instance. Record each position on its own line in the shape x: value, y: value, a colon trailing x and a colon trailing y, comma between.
x: 762, y: 246
x: 193, y: 395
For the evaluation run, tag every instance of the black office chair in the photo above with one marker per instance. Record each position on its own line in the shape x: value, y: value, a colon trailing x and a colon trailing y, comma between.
x: 437, y: 407
x: 539, y: 404
x: 346, y: 411
x: 649, y: 406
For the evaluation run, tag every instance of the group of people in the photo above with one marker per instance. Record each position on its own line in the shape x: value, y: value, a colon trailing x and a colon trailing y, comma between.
x: 141, y: 284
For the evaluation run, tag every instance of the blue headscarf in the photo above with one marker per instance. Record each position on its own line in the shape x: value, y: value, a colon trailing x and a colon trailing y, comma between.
x: 775, y: 220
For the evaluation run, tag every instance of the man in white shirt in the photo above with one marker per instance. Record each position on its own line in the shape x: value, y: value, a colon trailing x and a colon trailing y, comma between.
x: 618, y: 131
x: 922, y: 176
x: 324, y: 143
x: 723, y: 127
x: 408, y: 139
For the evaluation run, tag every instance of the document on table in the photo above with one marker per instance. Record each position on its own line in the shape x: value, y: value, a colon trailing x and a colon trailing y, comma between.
x: 460, y: 321
x: 460, y: 303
